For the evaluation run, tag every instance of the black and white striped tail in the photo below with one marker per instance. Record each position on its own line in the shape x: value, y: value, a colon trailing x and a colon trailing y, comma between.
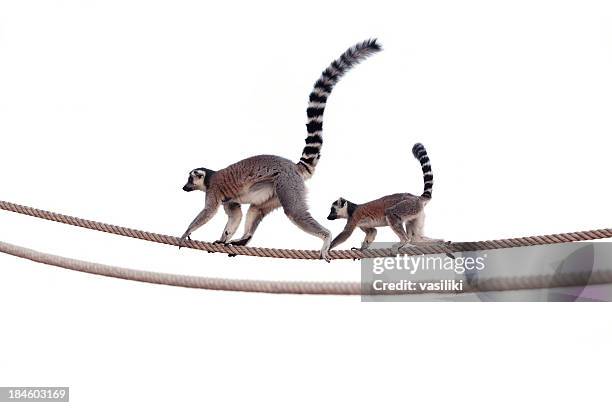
x: 419, y: 152
x: 320, y: 93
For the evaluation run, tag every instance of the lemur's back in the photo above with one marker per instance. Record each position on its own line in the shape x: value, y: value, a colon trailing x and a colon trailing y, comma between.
x: 242, y: 175
x: 375, y: 209
x: 257, y: 168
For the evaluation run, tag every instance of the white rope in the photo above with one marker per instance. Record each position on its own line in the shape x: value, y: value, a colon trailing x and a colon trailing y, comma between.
x: 296, y: 287
x: 196, y: 282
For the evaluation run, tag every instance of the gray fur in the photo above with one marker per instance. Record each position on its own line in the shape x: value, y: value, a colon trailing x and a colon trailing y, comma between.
x: 266, y: 183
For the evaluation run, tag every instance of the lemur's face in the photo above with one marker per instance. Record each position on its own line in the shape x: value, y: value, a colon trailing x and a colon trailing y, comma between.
x: 195, y: 180
x: 339, y: 209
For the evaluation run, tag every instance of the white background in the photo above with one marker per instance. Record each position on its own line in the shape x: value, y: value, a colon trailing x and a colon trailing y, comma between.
x: 106, y: 105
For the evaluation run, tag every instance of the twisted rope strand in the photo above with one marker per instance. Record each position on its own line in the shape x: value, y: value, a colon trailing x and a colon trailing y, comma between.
x: 296, y: 287
x: 307, y: 254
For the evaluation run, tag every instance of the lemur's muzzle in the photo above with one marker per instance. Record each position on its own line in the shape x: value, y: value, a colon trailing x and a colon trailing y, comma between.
x: 188, y: 187
x: 332, y: 216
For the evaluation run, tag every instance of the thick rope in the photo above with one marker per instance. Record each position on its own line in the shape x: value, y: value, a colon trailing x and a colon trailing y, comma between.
x: 308, y: 254
x: 311, y: 288
x: 197, y: 282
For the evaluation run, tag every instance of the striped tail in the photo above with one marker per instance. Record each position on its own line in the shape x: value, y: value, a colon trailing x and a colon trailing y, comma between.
x: 318, y: 99
x: 419, y: 152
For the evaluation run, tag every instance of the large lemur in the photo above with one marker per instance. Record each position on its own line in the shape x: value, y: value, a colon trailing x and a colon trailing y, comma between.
x: 267, y: 182
x: 394, y: 210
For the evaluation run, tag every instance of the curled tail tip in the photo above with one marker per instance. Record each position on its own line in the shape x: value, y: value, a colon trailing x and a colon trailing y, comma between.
x: 366, y: 48
x: 417, y: 149
x: 373, y: 44
x: 419, y: 152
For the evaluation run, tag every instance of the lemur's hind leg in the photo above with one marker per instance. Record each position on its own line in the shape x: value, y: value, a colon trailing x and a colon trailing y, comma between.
x: 234, y: 216
x: 291, y: 193
x: 416, y: 227
x: 403, y: 211
x: 369, y: 238
x: 255, y: 214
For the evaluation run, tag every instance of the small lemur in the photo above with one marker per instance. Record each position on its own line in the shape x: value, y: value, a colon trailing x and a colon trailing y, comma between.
x: 268, y: 182
x: 394, y: 210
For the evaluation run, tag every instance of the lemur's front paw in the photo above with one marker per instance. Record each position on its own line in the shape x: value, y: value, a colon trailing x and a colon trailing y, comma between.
x: 325, y: 256
x: 220, y: 242
x: 395, y: 249
x: 186, y: 237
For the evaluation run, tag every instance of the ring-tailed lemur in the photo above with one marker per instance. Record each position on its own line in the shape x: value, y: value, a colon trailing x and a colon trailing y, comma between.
x: 268, y: 182
x: 396, y: 211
